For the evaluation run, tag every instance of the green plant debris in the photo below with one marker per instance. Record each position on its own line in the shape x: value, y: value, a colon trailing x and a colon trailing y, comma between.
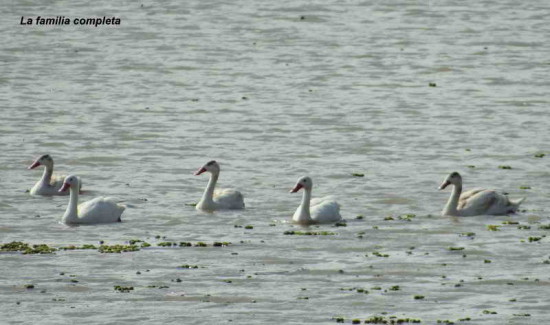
x: 489, y: 312
x: 540, y: 155
x: 187, y: 266
x: 123, y: 289
x: 407, y: 217
x: 467, y: 234
x: 418, y: 297
x: 509, y: 222
x: 359, y: 217
x: 358, y: 175
x: 380, y: 254
x: 456, y: 248
x: 167, y: 244
x: 493, y: 227
x: 24, y: 248
x: 338, y: 319
x: 221, y: 244
x: 200, y: 244
x: 432, y: 84
x: 341, y: 224
x: 525, y: 187
x: 504, y: 167
x: 465, y: 319
x: 309, y: 233
x: 249, y: 227
x: 191, y: 204
x: 356, y: 321
x: 29, y: 286
x: 445, y: 321
x: 361, y: 290
x: 534, y: 239
x: 391, y: 320
x: 388, y: 218
x: 471, y: 166
x: 522, y: 315
x: 486, y: 261
x: 117, y: 248
x: 544, y: 227
x: 394, y: 288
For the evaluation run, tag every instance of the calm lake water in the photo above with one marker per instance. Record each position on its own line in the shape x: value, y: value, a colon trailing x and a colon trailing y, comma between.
x: 274, y: 91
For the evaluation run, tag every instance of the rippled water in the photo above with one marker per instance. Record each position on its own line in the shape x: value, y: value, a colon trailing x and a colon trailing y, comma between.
x: 274, y: 91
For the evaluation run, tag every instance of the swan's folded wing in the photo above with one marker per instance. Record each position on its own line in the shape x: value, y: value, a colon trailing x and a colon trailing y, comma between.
x: 100, y: 210
x: 229, y: 198
x: 325, y: 209
x: 479, y: 202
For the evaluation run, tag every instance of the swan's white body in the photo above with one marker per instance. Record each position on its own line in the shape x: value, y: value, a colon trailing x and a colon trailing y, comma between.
x: 218, y: 199
x: 477, y: 201
x: 49, y: 184
x: 98, y: 210
x: 316, y: 211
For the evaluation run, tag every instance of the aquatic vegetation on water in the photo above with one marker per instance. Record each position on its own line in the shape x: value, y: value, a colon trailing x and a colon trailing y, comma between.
x: 357, y: 174
x: 456, y: 248
x: 25, y: 248
x: 493, y: 227
x: 418, y: 297
x: 123, y: 289
x: 539, y: 155
x: 391, y: 320
x: 117, y: 248
x: 504, y: 167
x: 489, y: 312
x: 535, y: 239
x: 309, y: 233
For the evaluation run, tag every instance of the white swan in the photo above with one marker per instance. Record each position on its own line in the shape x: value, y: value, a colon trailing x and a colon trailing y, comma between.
x: 477, y: 201
x: 49, y: 184
x: 321, y: 210
x: 98, y: 210
x: 214, y: 199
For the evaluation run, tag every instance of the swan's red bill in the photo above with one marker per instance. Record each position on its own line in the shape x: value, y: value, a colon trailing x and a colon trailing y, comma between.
x: 296, y: 188
x: 200, y: 171
x: 34, y: 165
x: 64, y: 187
x: 445, y: 184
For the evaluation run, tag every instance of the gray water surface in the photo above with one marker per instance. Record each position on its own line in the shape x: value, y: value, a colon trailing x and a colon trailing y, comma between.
x: 275, y: 91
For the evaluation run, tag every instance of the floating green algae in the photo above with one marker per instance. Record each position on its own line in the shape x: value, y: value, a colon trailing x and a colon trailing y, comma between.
x: 309, y: 233
x: 123, y: 289
x: 117, y: 248
x: 24, y: 248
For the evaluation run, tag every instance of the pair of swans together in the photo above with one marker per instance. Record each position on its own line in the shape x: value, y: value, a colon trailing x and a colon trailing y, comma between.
x: 316, y: 211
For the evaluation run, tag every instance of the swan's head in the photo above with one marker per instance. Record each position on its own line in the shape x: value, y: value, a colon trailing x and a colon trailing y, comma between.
x: 453, y: 178
x: 69, y: 181
x: 211, y: 166
x: 45, y: 160
x: 303, y: 182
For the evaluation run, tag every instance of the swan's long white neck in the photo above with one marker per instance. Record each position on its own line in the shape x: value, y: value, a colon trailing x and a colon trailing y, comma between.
x: 452, y: 204
x: 303, y: 215
x: 71, y: 214
x: 208, y: 195
x: 47, y: 175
